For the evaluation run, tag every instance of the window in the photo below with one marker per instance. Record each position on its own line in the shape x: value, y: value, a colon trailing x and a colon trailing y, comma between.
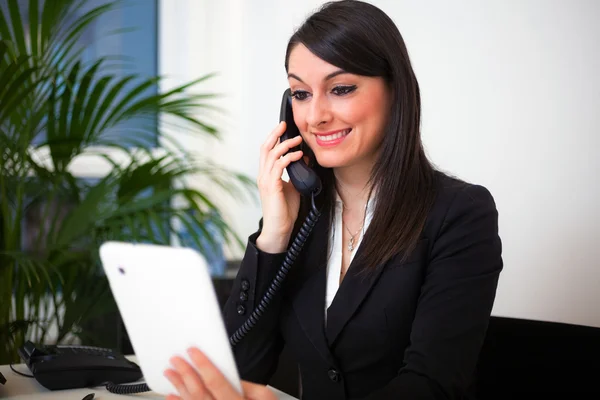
x: 130, y: 33
x: 127, y: 37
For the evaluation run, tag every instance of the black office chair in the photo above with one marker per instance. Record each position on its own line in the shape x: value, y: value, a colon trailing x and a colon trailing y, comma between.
x: 534, y: 357
x: 519, y: 357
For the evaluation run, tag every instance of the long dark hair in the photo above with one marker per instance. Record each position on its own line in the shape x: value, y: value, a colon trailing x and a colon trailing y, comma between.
x: 361, y: 39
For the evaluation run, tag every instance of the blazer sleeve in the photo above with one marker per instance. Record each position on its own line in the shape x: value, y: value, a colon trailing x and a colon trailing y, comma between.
x: 257, y: 353
x: 455, y: 303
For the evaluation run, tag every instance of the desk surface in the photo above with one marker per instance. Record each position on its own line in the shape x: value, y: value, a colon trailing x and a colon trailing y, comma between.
x: 18, y: 387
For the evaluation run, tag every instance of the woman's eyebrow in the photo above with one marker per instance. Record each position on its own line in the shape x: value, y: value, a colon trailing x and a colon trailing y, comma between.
x: 328, y: 77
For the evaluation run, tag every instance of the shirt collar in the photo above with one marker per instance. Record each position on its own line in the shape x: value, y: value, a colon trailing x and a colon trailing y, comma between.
x: 370, y: 203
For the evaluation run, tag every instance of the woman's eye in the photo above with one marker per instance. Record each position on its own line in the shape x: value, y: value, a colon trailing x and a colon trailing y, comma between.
x: 300, y: 95
x: 343, y: 90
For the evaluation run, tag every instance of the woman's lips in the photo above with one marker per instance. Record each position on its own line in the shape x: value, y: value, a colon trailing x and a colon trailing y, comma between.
x: 333, y: 138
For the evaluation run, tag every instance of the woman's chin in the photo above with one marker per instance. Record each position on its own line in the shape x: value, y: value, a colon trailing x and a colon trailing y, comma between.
x: 330, y: 162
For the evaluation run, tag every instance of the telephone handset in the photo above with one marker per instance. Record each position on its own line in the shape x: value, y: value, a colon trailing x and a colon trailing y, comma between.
x: 304, y: 179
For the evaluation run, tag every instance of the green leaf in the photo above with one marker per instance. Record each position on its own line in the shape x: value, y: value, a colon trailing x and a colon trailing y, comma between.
x: 137, y: 205
x: 17, y: 26
x: 82, y: 218
x: 116, y: 114
x: 13, y: 96
x: 105, y: 105
x: 33, y: 25
x: 79, y: 102
x: 5, y: 34
x: 72, y: 33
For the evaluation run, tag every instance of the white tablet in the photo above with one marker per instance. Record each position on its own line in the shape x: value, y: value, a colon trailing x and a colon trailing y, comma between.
x: 168, y: 304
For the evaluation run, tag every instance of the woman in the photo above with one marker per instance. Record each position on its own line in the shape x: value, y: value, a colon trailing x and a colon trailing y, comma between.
x: 391, y: 295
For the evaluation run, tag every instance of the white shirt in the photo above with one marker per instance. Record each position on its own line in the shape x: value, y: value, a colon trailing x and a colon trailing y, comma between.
x: 336, y: 247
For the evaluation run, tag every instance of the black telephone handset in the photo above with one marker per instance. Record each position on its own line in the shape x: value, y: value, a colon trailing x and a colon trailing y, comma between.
x: 68, y: 367
x: 304, y: 179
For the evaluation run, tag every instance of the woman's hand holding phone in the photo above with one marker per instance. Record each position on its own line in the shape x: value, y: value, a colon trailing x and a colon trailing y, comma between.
x: 280, y: 201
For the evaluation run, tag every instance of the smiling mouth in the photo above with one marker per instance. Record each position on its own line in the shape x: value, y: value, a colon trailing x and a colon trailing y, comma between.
x: 334, y: 136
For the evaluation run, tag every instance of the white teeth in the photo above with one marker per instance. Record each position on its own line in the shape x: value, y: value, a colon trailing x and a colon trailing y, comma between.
x: 334, y: 136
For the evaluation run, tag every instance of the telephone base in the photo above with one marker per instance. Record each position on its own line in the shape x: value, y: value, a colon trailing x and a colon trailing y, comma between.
x: 69, y: 367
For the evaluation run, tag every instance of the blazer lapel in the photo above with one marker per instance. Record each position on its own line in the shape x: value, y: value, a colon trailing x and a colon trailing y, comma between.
x: 309, y: 305
x: 309, y: 297
x: 351, y: 293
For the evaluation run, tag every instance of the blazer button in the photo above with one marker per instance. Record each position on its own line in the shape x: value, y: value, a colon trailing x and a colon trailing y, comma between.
x: 334, y: 375
x: 241, y: 310
x: 245, y: 284
x: 243, y: 296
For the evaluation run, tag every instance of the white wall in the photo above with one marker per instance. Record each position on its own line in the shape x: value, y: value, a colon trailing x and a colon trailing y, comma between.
x: 511, y: 94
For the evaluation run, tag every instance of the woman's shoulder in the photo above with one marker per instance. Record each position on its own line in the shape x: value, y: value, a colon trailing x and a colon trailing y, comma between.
x: 458, y: 198
x: 450, y: 188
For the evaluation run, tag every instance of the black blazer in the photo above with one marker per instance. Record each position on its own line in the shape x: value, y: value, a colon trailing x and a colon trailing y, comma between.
x: 413, y: 331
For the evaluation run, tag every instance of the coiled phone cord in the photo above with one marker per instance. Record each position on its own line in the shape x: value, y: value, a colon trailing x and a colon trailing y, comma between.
x: 277, y: 283
x: 127, y: 389
x: 290, y: 257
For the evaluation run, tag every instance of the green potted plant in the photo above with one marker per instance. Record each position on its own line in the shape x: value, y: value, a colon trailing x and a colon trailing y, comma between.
x: 54, y: 109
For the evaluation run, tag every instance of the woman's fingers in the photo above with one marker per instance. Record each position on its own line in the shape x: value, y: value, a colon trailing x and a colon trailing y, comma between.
x: 174, y: 377
x: 188, y: 382
x: 271, y: 151
x: 283, y: 162
x: 253, y: 391
x: 215, y: 381
x: 270, y: 142
x: 279, y: 151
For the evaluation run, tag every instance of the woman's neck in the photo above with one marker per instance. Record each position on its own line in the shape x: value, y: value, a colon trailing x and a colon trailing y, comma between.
x: 352, y: 184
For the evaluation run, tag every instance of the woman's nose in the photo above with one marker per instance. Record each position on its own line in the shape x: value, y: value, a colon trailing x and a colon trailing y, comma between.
x: 319, y: 111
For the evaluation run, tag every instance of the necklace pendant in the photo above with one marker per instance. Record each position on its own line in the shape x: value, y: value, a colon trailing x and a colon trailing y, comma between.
x: 351, y: 244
